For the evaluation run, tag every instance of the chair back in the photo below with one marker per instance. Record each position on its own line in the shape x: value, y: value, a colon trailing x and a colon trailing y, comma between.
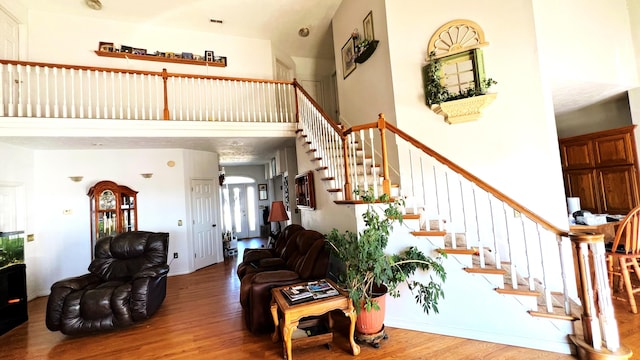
x: 626, y: 239
x: 124, y: 255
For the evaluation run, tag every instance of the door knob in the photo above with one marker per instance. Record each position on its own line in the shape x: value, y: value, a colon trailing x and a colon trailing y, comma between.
x: 214, y: 225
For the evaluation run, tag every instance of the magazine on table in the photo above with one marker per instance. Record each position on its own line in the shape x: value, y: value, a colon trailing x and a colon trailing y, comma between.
x: 311, y: 291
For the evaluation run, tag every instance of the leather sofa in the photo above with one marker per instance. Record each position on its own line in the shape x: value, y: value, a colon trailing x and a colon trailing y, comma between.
x: 261, y: 259
x: 126, y: 283
x: 303, y: 257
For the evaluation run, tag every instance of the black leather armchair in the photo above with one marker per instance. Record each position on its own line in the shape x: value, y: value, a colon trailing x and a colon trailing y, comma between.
x: 126, y: 283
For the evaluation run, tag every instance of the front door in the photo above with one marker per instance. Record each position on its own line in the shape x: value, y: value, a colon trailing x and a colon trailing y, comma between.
x: 241, y: 209
x: 207, y: 238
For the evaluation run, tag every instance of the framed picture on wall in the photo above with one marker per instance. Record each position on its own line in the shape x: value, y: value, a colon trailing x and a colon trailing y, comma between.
x: 367, y: 26
x: 348, y: 58
x: 262, y: 192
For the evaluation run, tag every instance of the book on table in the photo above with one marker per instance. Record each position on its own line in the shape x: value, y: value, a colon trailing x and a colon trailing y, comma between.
x: 311, y: 291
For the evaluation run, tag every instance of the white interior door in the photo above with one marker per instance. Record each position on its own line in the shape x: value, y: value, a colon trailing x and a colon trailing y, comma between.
x: 207, y: 238
x: 8, y: 37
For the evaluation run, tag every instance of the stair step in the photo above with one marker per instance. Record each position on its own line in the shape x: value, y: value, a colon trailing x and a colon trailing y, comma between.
x: 431, y: 233
x: 517, y: 292
x: 328, y: 178
x: 458, y: 251
x: 321, y: 168
x: 552, y: 316
x: 485, y: 271
x: 311, y: 151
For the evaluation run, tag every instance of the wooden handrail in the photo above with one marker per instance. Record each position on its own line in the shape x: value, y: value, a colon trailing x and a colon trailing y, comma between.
x: 481, y: 184
x: 144, y: 72
x: 335, y: 126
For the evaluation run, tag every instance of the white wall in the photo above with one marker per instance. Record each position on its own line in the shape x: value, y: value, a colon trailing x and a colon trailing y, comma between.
x: 603, y: 116
x: 367, y: 91
x: 62, y: 245
x: 512, y: 163
x: 70, y: 39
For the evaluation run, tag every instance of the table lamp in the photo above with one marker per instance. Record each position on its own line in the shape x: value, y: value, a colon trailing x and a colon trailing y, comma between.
x: 277, y: 213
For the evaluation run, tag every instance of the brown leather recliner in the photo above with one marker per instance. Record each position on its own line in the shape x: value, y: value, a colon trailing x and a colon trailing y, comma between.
x: 305, y: 258
x: 260, y: 259
x: 126, y: 283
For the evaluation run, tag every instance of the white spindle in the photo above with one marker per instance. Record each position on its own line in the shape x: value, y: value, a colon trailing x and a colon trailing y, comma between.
x: 1, y: 90
x: 113, y: 95
x: 56, y: 106
x: 73, y: 97
x: 29, y: 108
x: 135, y: 96
x: 89, y: 96
x: 97, y: 77
x: 81, y: 89
x: 47, y: 108
x: 64, y: 93
x: 20, y: 102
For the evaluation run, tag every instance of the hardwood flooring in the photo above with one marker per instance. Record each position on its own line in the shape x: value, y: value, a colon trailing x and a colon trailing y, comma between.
x: 201, y: 318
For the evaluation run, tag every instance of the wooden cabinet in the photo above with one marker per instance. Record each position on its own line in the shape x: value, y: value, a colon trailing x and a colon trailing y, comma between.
x: 13, y: 297
x: 113, y: 210
x: 602, y: 170
x: 305, y: 193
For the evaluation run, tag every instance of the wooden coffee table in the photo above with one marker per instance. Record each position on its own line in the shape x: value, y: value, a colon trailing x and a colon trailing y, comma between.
x: 291, y: 315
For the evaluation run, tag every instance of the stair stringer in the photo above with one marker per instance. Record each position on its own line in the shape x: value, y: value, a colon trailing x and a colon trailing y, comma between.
x: 472, y: 308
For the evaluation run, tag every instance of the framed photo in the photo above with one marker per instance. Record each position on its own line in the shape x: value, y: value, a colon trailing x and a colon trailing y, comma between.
x: 126, y: 49
x: 348, y: 58
x: 262, y: 192
x: 367, y: 27
x: 208, y: 55
x: 137, y: 51
x: 220, y: 59
x: 105, y: 46
x: 187, y: 55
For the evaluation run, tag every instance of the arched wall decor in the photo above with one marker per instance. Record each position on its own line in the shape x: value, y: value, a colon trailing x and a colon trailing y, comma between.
x: 455, y: 82
x: 456, y: 36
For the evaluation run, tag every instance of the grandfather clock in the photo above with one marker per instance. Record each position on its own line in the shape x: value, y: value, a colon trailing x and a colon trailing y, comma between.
x: 113, y: 210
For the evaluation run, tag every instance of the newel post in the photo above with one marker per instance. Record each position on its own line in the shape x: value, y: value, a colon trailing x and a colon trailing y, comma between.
x: 348, y: 190
x: 295, y: 96
x: 386, y: 182
x: 165, y: 77
x: 600, y: 338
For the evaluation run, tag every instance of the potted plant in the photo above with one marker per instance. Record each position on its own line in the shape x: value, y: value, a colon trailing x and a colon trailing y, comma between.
x: 368, y: 269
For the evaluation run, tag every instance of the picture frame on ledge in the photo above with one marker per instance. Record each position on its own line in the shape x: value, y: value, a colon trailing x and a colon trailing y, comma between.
x: 348, y: 58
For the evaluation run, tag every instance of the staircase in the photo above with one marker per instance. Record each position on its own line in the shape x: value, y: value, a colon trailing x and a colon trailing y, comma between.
x: 509, y: 273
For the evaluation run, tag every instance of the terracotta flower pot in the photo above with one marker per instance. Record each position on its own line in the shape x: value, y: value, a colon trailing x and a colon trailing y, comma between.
x: 372, y: 322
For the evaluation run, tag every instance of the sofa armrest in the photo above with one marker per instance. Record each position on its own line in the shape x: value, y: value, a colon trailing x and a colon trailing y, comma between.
x: 154, y: 271
x: 148, y: 290
x: 59, y: 292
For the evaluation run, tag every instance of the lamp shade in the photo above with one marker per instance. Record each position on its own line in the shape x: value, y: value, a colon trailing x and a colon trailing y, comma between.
x: 277, y: 212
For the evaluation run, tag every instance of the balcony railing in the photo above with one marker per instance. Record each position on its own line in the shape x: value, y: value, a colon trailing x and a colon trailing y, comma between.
x: 29, y: 89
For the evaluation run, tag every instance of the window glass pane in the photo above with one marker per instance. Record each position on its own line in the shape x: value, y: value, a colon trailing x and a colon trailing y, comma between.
x: 226, y: 209
x: 251, y: 207
x: 237, y: 216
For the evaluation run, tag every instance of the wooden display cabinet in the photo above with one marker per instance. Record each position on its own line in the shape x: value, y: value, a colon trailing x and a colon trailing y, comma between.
x: 601, y: 169
x: 113, y: 210
x: 305, y: 195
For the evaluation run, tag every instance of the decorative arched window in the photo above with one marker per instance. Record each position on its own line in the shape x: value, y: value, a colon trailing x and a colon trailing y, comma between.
x: 455, y: 68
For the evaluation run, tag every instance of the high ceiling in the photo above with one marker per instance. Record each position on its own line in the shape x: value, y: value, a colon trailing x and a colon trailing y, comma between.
x: 276, y: 20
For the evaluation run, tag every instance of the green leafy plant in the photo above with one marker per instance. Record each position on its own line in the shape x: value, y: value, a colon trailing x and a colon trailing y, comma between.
x: 437, y: 93
x: 367, y: 267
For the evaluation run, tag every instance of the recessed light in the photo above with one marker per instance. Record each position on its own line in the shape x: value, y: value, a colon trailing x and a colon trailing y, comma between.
x: 94, y: 4
x: 303, y: 32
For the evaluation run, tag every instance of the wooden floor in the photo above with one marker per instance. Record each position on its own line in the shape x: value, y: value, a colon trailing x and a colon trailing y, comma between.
x: 201, y: 318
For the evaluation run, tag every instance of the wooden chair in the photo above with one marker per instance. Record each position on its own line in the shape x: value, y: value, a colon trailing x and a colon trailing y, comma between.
x: 623, y: 254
